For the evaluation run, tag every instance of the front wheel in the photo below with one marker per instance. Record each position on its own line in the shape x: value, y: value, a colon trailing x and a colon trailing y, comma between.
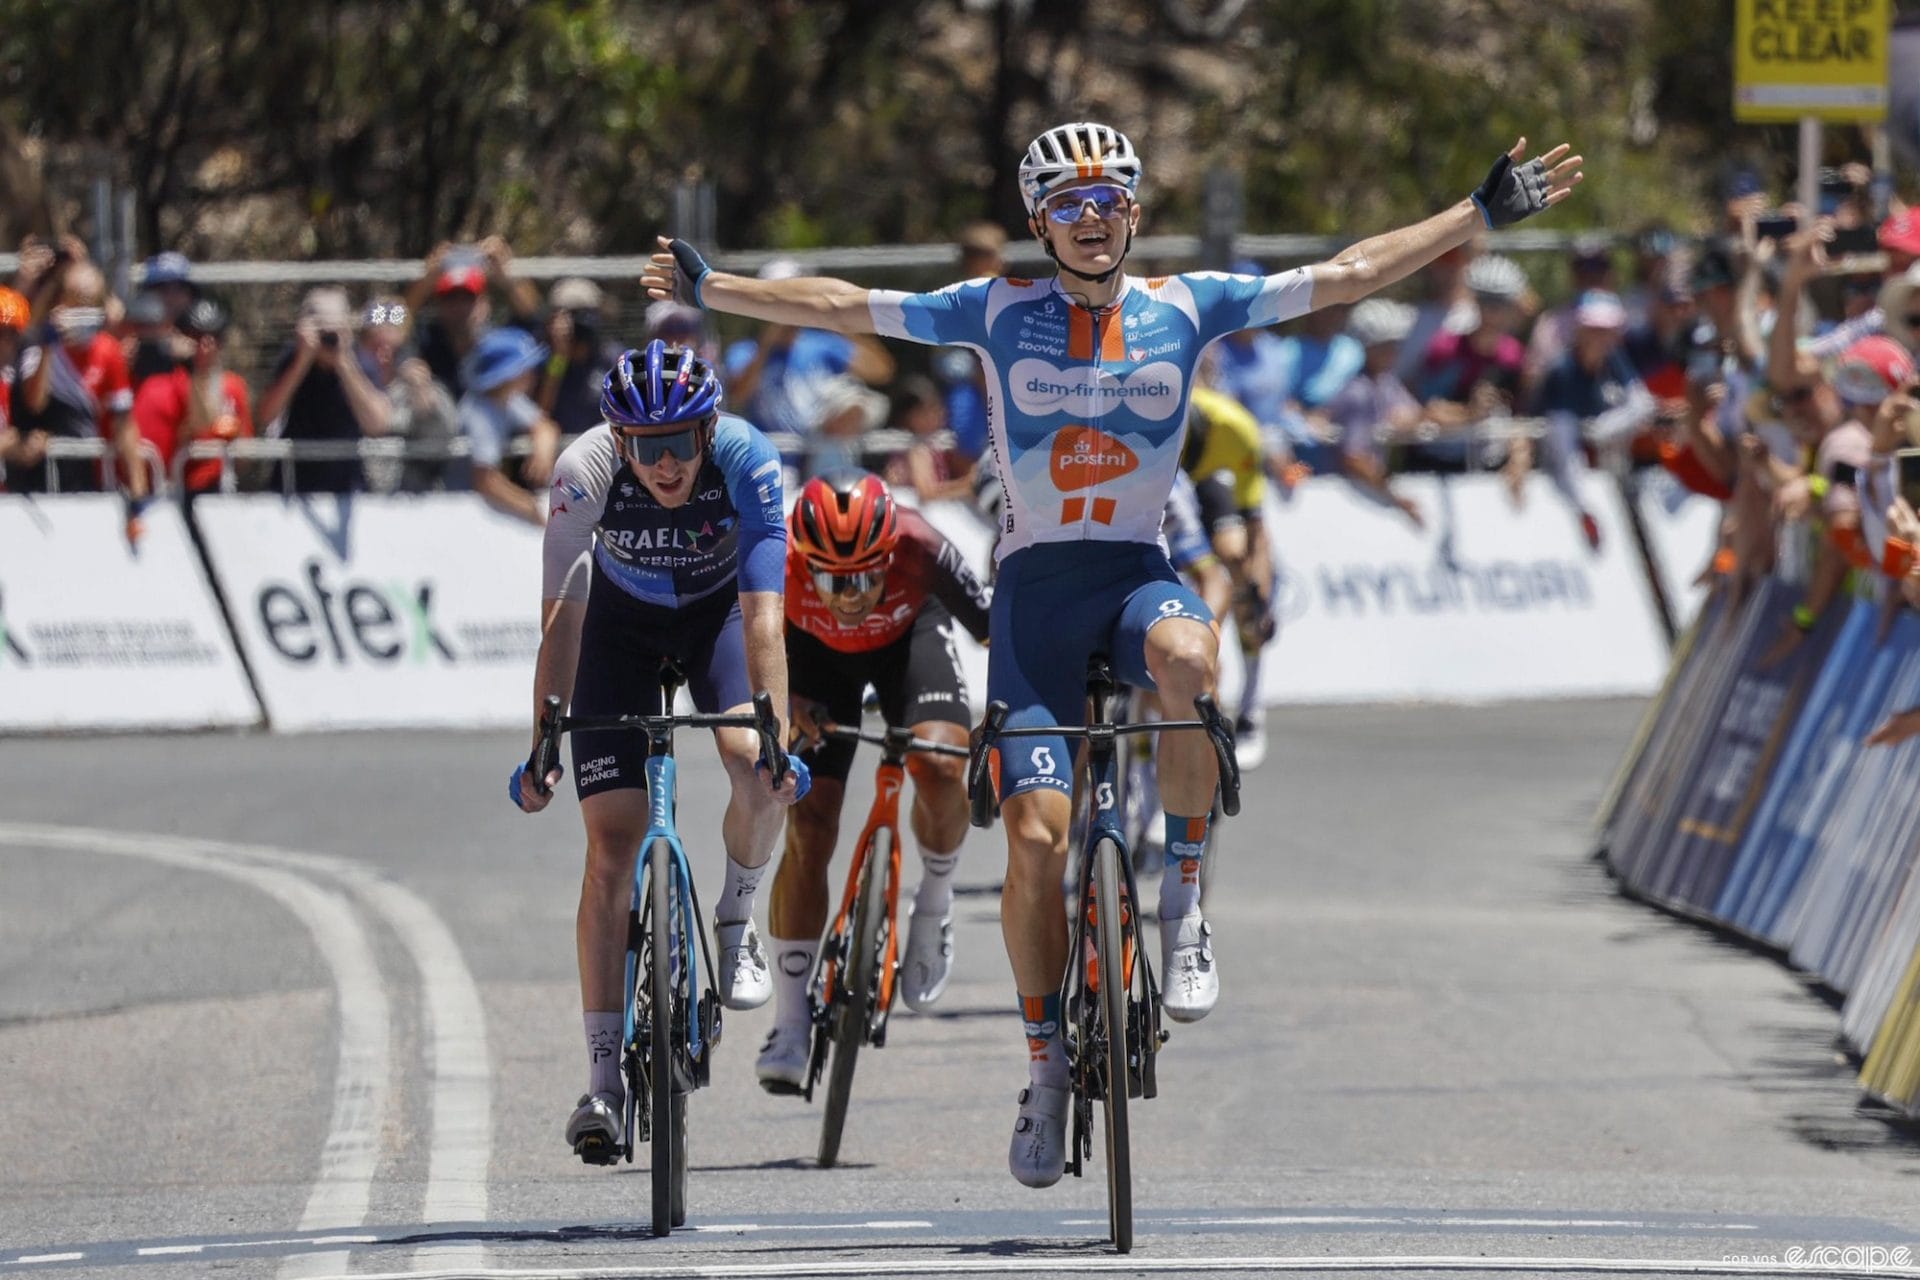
x: 667, y: 1136
x: 852, y: 1005
x: 1113, y: 1008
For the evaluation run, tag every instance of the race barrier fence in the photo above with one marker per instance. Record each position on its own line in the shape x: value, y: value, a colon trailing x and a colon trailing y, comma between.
x: 1754, y: 803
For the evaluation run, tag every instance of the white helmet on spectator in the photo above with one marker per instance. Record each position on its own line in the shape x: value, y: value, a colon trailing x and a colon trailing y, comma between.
x: 1380, y: 320
x: 1492, y: 276
x: 1079, y: 152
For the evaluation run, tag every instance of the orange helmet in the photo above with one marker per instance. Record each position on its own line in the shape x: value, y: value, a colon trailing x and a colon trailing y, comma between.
x: 14, y: 311
x: 845, y: 521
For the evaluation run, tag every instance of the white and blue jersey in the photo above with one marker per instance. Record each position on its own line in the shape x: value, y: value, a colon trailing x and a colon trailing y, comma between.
x: 1087, y: 411
x: 733, y: 527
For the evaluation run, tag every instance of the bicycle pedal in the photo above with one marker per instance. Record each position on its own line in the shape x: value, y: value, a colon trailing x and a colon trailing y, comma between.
x: 595, y: 1149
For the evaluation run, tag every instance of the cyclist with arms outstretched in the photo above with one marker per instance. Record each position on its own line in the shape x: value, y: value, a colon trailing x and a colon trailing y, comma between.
x: 1088, y: 375
x: 874, y: 593
x: 665, y: 539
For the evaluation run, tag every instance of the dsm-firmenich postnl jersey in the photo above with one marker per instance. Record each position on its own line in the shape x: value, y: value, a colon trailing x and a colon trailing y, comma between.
x: 1088, y: 410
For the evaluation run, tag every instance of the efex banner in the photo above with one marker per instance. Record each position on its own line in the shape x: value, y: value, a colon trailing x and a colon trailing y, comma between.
x: 364, y: 611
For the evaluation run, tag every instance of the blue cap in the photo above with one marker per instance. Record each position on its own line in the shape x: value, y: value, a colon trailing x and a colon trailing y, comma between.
x: 500, y: 355
x: 167, y: 268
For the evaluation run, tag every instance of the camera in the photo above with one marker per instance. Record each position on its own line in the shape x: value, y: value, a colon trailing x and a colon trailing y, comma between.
x: 330, y: 340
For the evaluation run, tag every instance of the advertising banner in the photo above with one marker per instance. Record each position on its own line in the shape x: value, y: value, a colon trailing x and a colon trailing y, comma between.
x: 1490, y: 600
x: 1739, y: 754
x: 95, y: 634
x: 1774, y: 848
x: 360, y: 611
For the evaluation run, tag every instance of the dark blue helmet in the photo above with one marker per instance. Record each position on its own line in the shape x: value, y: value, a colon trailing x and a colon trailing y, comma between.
x: 659, y: 385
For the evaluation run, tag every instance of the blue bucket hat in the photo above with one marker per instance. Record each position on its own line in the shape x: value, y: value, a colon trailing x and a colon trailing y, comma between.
x: 167, y: 268
x: 500, y: 355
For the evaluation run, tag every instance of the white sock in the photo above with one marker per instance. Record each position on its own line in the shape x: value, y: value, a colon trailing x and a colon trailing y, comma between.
x: 603, y: 1052
x: 792, y: 973
x: 736, y: 895
x: 934, y: 897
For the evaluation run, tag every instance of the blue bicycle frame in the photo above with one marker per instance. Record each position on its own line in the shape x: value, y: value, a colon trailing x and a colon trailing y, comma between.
x: 686, y: 956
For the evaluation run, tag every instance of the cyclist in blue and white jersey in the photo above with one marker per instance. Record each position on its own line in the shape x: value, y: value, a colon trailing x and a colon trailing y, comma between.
x: 666, y: 538
x: 1087, y: 376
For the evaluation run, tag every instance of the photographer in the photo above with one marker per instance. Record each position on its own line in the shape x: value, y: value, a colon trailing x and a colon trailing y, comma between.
x: 325, y: 388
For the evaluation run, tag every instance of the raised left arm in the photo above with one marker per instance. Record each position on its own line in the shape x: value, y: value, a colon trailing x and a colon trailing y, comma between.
x: 1513, y: 190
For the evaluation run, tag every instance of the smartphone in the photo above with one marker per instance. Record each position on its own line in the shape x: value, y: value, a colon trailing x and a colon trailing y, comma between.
x: 1835, y: 190
x: 1775, y: 226
x: 1850, y: 242
x: 330, y: 340
x: 1846, y: 473
x: 1909, y: 464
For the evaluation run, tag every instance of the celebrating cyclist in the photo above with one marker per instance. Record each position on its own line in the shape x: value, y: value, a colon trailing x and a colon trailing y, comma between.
x: 665, y: 539
x: 1089, y: 373
x: 873, y: 595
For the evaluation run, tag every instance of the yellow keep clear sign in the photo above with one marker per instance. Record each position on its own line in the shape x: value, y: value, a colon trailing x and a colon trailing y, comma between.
x: 1822, y: 58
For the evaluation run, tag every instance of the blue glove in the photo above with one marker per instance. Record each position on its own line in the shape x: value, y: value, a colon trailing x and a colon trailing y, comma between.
x: 519, y: 780
x: 802, y: 776
x: 692, y: 266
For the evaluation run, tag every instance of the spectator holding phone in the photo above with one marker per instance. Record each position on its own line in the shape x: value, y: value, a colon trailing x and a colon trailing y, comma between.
x: 457, y: 278
x: 200, y: 400
x: 570, y: 381
x: 325, y: 388
x: 72, y: 383
x: 166, y: 291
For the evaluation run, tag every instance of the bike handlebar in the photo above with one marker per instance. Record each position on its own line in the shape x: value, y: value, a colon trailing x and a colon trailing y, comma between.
x: 993, y: 728
x: 553, y: 726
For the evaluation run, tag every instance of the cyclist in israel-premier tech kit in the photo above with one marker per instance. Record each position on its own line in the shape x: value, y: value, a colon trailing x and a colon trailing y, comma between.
x: 1088, y: 376
x: 666, y: 538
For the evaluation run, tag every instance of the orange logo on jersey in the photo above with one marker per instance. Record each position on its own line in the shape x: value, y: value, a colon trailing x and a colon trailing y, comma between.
x: 1084, y: 457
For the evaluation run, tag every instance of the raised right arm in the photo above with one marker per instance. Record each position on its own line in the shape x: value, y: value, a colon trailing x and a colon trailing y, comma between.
x: 813, y: 302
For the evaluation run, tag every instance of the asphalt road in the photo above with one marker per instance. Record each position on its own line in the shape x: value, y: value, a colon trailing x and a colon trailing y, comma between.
x: 307, y: 1006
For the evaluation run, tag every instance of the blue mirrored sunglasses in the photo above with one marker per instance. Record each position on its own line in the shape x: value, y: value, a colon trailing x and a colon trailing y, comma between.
x: 648, y: 450
x: 1106, y: 202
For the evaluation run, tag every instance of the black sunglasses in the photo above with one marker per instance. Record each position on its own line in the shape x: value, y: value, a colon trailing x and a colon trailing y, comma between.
x: 648, y: 450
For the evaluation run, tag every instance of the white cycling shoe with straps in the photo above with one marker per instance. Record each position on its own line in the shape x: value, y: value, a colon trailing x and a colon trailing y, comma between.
x: 745, y: 981
x: 928, y: 962
x: 1189, y: 979
x: 1037, y: 1155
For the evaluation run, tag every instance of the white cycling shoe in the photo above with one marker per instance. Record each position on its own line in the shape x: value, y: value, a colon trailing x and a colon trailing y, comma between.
x: 745, y: 981
x: 784, y: 1058
x: 1037, y: 1156
x: 929, y: 959
x: 595, y: 1130
x: 1250, y: 740
x: 1189, y: 980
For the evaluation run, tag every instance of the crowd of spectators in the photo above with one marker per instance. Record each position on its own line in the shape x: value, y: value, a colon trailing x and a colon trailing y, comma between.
x: 1708, y: 358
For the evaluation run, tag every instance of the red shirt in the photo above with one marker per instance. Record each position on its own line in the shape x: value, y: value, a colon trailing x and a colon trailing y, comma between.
x: 924, y: 563
x: 160, y: 411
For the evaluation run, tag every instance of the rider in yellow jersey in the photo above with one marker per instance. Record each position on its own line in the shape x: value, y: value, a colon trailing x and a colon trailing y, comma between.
x: 1226, y: 457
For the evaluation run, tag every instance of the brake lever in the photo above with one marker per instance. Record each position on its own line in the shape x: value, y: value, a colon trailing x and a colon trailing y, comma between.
x: 979, y: 787
x: 1223, y: 751
x: 772, y: 754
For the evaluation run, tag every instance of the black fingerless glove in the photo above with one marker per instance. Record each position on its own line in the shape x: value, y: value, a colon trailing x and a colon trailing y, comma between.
x: 1511, y: 192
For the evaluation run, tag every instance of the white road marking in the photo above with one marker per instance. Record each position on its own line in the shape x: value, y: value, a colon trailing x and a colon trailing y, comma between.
x: 1135, y: 1264
x: 49, y: 1257
x: 343, y: 1188
x: 461, y: 1146
x: 1415, y: 1220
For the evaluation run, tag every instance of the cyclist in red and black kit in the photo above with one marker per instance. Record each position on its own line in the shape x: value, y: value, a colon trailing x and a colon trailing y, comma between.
x: 874, y: 593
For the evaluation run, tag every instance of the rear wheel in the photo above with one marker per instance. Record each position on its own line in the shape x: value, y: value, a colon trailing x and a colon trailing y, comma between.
x: 660, y: 1102
x: 679, y: 1207
x: 1113, y: 1009
x: 853, y: 1003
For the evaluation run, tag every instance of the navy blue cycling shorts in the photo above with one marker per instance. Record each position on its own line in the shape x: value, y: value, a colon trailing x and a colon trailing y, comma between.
x: 1056, y: 604
x: 621, y: 644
